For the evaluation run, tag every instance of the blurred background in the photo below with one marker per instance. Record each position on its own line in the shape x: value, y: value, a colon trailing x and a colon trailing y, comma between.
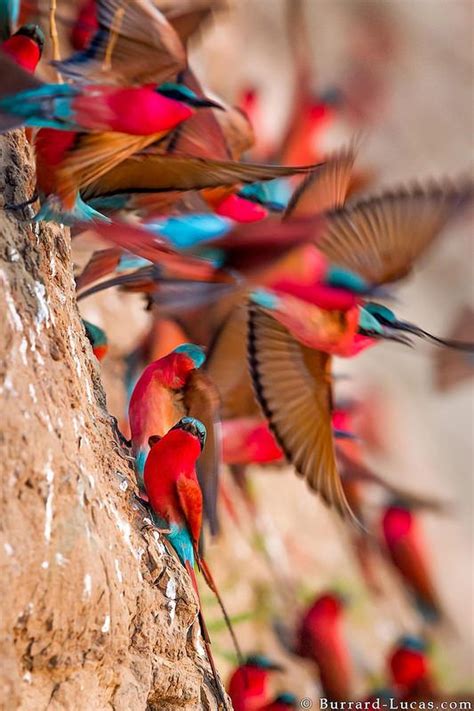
x: 407, y: 70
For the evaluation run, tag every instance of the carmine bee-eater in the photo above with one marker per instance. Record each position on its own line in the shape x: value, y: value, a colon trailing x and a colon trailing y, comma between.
x: 290, y: 339
x: 410, y: 671
x: 25, y: 47
x: 248, y: 684
x: 285, y: 701
x: 248, y: 440
x: 404, y: 542
x: 168, y: 389
x: 98, y: 339
x: 136, y: 110
x: 176, y: 499
x: 320, y: 638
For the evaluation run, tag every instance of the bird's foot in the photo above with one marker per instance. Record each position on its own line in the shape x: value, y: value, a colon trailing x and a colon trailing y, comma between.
x: 21, y: 205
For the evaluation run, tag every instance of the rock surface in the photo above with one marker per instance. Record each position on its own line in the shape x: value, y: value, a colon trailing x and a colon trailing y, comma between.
x: 95, y: 612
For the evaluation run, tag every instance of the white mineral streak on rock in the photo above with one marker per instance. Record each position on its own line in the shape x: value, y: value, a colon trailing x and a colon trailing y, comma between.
x: 13, y: 314
x: 171, y: 595
x: 87, y: 590
x: 106, y: 626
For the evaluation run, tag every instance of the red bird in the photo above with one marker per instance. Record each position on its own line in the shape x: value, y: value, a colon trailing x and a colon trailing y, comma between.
x: 176, y: 499
x: 410, y: 670
x: 248, y: 685
x: 85, y: 26
x: 25, y: 47
x: 320, y: 638
x: 248, y: 440
x: 405, y: 546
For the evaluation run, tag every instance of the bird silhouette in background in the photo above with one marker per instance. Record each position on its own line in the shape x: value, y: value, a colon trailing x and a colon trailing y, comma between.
x: 404, y: 542
x: 320, y: 638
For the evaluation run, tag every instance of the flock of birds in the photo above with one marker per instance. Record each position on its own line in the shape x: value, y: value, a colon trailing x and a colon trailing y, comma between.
x: 256, y: 274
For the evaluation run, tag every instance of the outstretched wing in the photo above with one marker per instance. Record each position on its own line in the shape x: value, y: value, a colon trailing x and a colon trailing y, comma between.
x: 382, y: 237
x: 94, y: 155
x: 326, y: 188
x: 226, y: 366
x: 154, y: 172
x: 135, y: 44
x: 293, y: 386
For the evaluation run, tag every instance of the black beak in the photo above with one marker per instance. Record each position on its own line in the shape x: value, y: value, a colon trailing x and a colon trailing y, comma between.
x: 206, y: 104
x: 446, y: 342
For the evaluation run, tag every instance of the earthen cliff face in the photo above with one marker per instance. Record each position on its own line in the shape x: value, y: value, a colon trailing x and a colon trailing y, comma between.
x: 95, y: 612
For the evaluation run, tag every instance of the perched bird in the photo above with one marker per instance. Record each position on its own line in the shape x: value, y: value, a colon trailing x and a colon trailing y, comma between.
x: 168, y: 389
x: 402, y: 537
x: 320, y: 638
x: 98, y: 339
x: 410, y: 671
x: 248, y: 684
x: 175, y: 497
x: 285, y: 701
x: 24, y: 47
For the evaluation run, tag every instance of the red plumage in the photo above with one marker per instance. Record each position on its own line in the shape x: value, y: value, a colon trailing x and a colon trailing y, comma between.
x: 23, y: 50
x: 404, y: 543
x: 248, y: 687
x: 320, y: 639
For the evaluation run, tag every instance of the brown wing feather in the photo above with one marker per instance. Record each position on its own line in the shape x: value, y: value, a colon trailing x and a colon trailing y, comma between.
x: 381, y: 238
x: 292, y: 385
x: 326, y: 188
x: 226, y: 366
x: 101, y: 263
x: 145, y: 46
x: 152, y: 172
x: 96, y: 154
x: 201, y: 400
